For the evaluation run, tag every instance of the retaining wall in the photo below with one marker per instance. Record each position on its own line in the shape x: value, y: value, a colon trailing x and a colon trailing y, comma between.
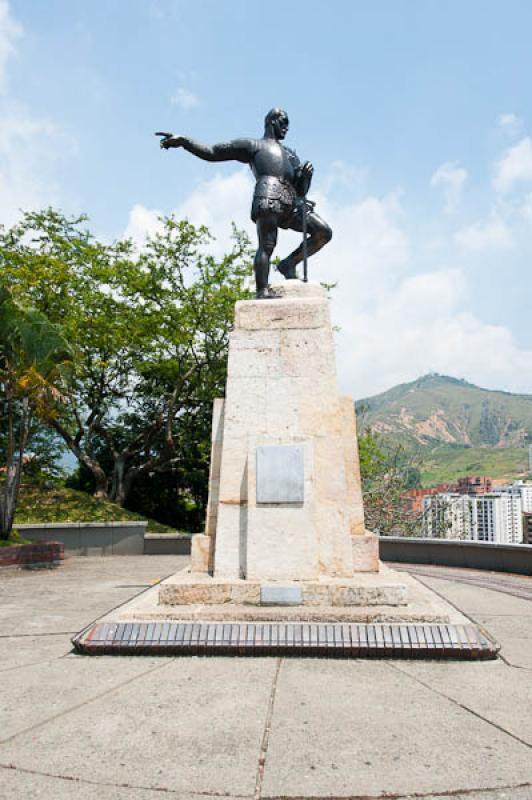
x: 32, y: 555
x: 91, y: 538
x: 451, y: 553
x: 167, y: 544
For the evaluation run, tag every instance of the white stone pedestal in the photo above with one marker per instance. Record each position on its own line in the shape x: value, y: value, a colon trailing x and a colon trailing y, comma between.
x: 281, y: 391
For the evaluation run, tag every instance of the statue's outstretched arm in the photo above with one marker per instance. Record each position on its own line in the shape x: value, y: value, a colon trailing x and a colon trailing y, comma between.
x: 237, y: 150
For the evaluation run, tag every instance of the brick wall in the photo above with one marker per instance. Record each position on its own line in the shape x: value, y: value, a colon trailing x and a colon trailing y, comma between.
x: 28, y: 554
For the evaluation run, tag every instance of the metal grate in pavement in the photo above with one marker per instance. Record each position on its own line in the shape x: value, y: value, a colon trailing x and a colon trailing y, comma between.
x: 337, y: 640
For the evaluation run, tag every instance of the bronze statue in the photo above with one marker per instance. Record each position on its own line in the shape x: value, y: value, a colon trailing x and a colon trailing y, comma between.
x: 279, y: 200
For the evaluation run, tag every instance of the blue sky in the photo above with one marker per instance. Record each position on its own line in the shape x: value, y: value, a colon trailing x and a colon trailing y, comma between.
x: 416, y: 115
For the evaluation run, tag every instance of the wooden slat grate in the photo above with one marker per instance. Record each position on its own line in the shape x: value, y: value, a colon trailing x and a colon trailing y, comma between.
x: 282, y: 638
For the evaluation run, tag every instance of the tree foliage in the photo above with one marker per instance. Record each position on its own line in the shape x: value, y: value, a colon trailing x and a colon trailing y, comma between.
x: 387, y: 473
x: 149, y: 328
x: 34, y: 374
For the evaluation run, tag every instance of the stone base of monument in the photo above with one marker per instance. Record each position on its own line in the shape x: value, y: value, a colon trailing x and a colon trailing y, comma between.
x: 379, y: 589
x: 285, y: 565
x: 426, y: 627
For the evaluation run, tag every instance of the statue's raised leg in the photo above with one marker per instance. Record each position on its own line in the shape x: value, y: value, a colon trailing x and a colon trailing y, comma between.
x: 319, y: 233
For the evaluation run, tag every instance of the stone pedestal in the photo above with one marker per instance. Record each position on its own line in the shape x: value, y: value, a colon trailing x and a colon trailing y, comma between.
x: 285, y: 565
x: 282, y: 406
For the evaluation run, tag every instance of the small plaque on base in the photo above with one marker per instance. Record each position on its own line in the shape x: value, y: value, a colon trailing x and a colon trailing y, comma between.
x: 280, y: 474
x: 281, y: 596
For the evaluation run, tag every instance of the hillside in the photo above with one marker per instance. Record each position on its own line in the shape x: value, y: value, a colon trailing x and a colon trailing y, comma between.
x: 456, y: 427
x: 38, y: 505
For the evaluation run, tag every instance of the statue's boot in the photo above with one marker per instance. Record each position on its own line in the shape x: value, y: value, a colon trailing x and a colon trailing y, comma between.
x: 287, y: 268
x: 262, y: 271
x: 265, y: 294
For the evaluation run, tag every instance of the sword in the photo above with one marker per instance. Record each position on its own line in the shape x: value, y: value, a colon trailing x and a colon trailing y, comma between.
x: 305, y: 255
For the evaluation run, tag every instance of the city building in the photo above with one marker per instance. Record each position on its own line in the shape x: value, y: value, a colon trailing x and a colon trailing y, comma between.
x: 474, y: 484
x: 470, y: 484
x: 495, y: 517
x: 527, y: 528
x: 447, y: 516
x: 524, y: 488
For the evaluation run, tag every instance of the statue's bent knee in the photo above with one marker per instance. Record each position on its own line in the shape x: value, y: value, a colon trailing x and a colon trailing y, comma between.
x: 325, y: 233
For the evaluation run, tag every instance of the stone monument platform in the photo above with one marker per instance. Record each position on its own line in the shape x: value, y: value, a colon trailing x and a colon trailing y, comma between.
x: 285, y: 551
x: 285, y: 499
x: 285, y: 516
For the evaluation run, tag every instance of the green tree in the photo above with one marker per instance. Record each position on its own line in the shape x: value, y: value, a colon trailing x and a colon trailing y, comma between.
x: 150, y: 328
x: 387, y: 473
x: 34, y: 371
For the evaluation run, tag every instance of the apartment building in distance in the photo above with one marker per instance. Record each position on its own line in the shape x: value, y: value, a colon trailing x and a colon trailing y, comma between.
x: 447, y: 515
x: 470, y: 484
x: 527, y: 528
x: 501, y: 517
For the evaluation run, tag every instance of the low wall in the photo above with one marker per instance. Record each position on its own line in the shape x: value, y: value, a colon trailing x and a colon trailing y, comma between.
x: 167, y: 544
x: 451, y: 553
x: 91, y: 538
x: 45, y: 554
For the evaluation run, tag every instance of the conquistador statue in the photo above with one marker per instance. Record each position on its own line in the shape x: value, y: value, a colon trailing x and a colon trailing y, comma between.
x: 279, y: 200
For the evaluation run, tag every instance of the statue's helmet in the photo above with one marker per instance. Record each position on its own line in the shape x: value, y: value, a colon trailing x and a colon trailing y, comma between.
x: 274, y: 114
x: 278, y: 119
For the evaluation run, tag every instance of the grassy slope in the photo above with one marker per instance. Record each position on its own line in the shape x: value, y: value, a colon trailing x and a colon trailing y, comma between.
x: 448, y: 462
x: 67, y: 505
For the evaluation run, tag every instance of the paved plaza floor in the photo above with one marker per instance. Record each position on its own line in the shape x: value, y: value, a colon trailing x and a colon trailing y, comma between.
x: 141, y: 728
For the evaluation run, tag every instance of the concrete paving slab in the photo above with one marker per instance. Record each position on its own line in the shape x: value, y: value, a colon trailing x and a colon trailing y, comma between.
x: 512, y: 793
x: 503, y: 697
x: 508, y: 619
x: 19, y: 651
x: 54, y: 688
x: 474, y: 600
x: 363, y: 728
x: 195, y: 726
x: 16, y: 785
x: 514, y: 635
x: 80, y: 590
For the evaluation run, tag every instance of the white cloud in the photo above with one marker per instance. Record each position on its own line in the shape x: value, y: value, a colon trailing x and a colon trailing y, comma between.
x: 419, y: 328
x: 509, y: 122
x: 514, y: 166
x: 29, y: 147
x: 342, y: 176
x: 451, y: 177
x: 29, y: 151
x: 368, y: 249
x: 394, y: 326
x: 215, y: 203
x: 10, y: 31
x: 184, y: 98
x: 142, y: 222
x: 526, y: 207
x: 484, y: 235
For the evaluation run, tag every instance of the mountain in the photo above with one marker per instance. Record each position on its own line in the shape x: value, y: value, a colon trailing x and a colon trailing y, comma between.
x: 437, y: 408
x: 457, y: 428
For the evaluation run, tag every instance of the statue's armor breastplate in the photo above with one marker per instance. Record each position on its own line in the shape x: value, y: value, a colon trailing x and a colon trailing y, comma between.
x: 274, y: 168
x: 271, y: 158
